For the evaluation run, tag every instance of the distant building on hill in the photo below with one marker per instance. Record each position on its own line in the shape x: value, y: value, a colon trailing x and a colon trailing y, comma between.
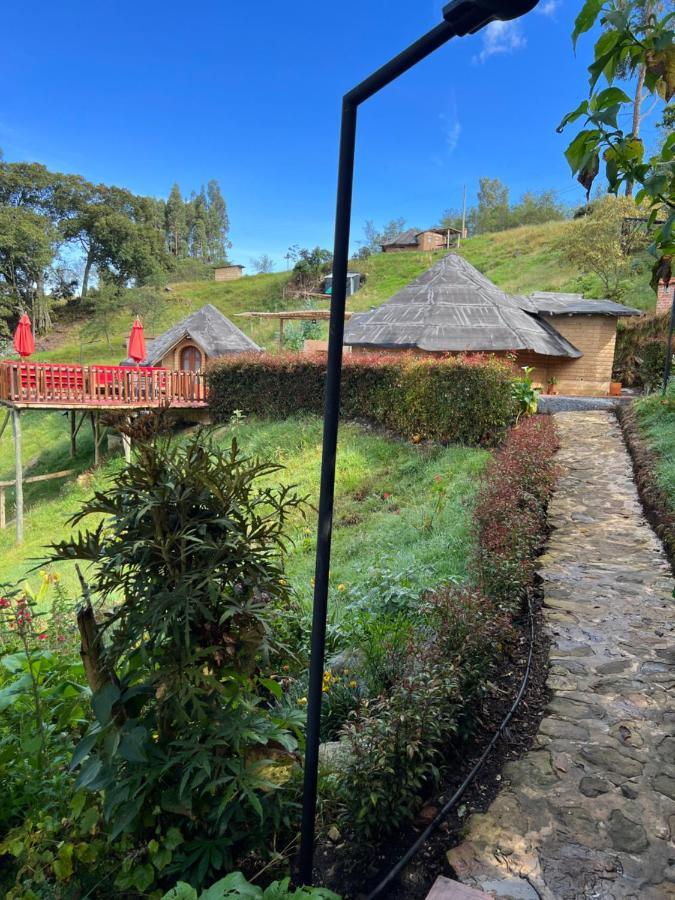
x: 413, y: 240
x: 228, y: 273
x: 190, y: 344
x: 454, y: 308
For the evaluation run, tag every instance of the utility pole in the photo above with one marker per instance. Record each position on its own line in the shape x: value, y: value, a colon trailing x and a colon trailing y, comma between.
x: 464, y: 215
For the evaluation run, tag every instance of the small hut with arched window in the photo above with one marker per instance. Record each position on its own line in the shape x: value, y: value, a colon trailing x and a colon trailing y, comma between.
x: 190, y: 344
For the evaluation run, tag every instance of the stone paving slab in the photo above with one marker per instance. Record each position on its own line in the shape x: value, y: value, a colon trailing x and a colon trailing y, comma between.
x: 589, y: 812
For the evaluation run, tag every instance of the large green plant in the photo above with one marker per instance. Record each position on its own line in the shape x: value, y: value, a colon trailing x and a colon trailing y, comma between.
x: 190, y: 550
x: 637, y: 38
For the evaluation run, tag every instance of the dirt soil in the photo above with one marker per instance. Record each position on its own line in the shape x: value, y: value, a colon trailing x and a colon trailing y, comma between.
x: 354, y: 871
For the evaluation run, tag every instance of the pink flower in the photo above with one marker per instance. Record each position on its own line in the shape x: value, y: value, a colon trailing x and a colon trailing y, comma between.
x: 43, y: 636
x: 4, y: 603
x: 438, y: 478
x: 386, y: 496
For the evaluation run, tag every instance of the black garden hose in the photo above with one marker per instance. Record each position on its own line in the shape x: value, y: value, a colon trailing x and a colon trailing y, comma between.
x: 429, y: 830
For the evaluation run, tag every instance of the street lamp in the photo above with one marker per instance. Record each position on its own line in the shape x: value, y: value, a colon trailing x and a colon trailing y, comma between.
x: 460, y: 17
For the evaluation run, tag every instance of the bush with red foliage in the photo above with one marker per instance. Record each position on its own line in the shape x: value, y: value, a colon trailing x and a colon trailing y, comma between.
x: 510, y: 509
x: 455, y: 399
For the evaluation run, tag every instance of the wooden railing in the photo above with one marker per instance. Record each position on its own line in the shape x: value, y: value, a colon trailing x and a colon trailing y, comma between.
x: 64, y: 385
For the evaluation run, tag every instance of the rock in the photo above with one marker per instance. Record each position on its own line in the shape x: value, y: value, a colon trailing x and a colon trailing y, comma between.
x: 559, y: 728
x: 351, y: 660
x: 426, y: 815
x: 613, y: 760
x: 593, y: 786
x: 630, y: 791
x: 334, y: 835
x: 625, y: 834
x: 334, y: 756
x: 665, y: 784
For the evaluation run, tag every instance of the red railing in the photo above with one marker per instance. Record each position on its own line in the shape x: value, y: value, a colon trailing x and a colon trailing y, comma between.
x: 63, y: 385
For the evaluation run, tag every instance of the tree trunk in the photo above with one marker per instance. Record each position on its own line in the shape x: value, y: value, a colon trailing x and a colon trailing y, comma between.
x: 87, y: 271
x: 637, y: 116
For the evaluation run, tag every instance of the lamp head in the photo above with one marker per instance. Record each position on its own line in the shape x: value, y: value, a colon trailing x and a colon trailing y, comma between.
x: 469, y: 16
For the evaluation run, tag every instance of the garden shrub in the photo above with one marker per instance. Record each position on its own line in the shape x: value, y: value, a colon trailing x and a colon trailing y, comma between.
x: 458, y: 399
x: 632, y: 338
x: 235, y: 885
x: 185, y: 735
x: 398, y: 740
x: 510, y: 509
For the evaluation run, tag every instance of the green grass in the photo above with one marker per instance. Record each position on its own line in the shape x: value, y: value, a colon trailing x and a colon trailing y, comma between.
x: 401, y: 532
x: 656, y: 418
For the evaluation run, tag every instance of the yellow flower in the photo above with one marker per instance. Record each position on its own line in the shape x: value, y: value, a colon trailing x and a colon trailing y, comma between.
x: 302, y: 701
x: 327, y: 676
x: 282, y: 581
x: 341, y: 587
x: 311, y: 581
x: 352, y: 684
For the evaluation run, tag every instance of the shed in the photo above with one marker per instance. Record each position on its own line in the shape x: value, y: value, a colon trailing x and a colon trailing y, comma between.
x: 190, y: 344
x: 417, y: 241
x: 454, y: 308
x: 353, y: 283
x: 228, y: 273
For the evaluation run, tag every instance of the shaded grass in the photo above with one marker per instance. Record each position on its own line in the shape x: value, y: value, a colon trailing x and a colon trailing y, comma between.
x: 656, y: 419
x: 403, y: 531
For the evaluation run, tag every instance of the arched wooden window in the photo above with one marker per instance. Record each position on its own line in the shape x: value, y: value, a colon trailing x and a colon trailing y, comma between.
x: 190, y: 359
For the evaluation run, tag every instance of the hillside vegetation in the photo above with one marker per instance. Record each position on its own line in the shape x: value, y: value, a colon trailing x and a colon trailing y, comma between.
x: 388, y: 505
x: 520, y: 260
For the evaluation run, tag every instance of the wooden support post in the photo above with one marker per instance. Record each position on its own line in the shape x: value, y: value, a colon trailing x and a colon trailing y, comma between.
x: 3, y: 510
x: 96, y: 433
x: 6, y: 420
x: 73, y: 433
x: 281, y: 333
x: 126, y: 444
x: 16, y: 425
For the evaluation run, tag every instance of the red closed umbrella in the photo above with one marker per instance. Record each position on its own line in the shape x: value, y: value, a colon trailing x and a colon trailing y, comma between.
x: 136, y: 348
x: 24, y: 344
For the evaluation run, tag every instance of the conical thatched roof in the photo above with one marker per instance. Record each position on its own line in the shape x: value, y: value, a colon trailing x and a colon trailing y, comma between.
x: 453, y: 307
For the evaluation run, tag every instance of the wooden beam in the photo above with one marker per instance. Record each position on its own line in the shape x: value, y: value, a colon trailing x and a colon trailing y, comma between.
x: 4, y: 424
x: 3, y: 509
x: 73, y: 434
x: 16, y: 426
x: 281, y: 333
x: 33, y: 479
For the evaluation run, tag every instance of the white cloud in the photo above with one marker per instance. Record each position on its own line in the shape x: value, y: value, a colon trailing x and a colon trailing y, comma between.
x: 501, y: 37
x: 548, y: 8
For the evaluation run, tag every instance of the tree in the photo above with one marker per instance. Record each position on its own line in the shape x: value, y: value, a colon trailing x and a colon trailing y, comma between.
x: 218, y: 224
x: 27, y: 247
x: 493, y: 206
x: 535, y: 208
x: 599, y: 244
x: 630, y: 40
x: 374, y: 237
x: 263, y: 265
x: 176, y: 224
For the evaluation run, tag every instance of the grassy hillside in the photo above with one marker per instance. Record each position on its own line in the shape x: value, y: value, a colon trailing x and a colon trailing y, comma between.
x: 520, y: 260
x: 387, y: 502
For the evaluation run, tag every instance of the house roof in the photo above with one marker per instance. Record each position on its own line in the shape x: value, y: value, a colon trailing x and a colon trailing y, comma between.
x: 230, y: 266
x: 409, y: 238
x: 209, y: 328
x: 404, y: 239
x: 453, y: 307
x: 558, y: 304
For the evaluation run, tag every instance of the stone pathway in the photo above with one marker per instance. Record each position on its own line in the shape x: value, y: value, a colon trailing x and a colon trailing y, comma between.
x: 589, y: 811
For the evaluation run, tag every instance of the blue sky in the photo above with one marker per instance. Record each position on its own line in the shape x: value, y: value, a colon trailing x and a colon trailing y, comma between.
x: 143, y: 94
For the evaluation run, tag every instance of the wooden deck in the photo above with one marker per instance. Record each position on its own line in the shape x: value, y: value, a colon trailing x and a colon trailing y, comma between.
x: 25, y: 385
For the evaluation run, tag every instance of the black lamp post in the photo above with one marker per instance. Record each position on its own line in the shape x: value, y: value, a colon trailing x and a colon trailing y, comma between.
x: 460, y: 17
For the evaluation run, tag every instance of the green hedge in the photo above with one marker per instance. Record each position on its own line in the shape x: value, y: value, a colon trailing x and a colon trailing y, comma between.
x: 460, y: 399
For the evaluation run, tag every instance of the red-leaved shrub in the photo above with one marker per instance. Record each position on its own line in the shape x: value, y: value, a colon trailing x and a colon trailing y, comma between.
x: 510, y: 510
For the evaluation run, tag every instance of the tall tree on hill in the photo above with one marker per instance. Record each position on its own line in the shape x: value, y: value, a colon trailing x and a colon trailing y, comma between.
x: 199, y: 226
x: 217, y: 224
x: 176, y: 224
x: 492, y: 213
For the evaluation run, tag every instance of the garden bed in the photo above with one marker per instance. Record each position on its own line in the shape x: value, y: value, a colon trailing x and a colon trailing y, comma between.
x: 423, y: 658
x: 649, y: 431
